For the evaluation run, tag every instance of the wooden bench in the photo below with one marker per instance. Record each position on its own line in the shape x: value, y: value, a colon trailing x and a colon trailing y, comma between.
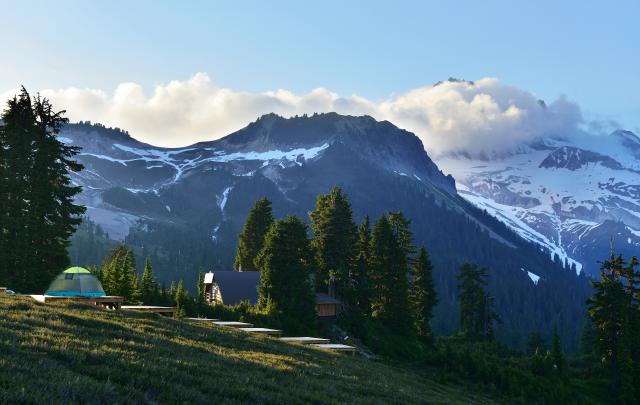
x: 171, y: 311
x: 263, y: 331
x: 232, y: 324
x: 305, y: 340
x: 107, y: 301
x: 337, y: 347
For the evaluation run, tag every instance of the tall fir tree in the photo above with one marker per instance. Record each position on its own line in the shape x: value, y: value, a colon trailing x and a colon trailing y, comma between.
x: 613, y: 309
x: 556, y: 352
x: 37, y: 213
x: 251, y: 239
x: 401, y: 226
x: 423, y: 295
x: 359, y: 276
x: 388, y: 278
x: 286, y: 266
x: 119, y: 275
x: 200, y: 298
x: 148, y: 284
x: 334, y: 243
x: 477, y: 312
x: 535, y: 343
x: 110, y: 269
x: 181, y: 298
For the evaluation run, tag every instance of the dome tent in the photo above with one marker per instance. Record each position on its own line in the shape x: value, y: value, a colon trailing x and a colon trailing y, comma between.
x: 75, y: 282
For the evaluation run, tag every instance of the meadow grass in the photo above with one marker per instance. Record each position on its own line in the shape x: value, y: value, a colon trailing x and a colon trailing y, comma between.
x: 77, y: 353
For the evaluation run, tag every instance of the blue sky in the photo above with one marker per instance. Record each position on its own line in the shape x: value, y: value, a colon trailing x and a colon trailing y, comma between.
x: 586, y: 50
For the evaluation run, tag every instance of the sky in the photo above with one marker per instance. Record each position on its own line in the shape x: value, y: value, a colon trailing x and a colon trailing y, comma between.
x: 200, y: 69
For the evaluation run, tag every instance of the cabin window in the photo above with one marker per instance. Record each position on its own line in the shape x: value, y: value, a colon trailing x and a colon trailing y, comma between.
x: 68, y: 276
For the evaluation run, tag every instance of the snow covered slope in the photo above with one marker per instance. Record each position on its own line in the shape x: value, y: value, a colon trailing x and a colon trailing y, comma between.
x: 571, y: 196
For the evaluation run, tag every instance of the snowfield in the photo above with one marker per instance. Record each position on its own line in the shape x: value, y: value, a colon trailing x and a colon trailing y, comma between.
x: 559, y: 204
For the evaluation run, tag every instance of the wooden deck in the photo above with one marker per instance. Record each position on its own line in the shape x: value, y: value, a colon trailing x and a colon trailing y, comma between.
x: 232, y: 324
x: 151, y: 308
x: 201, y: 320
x: 305, y: 340
x: 337, y: 347
x: 107, y: 301
x: 263, y: 331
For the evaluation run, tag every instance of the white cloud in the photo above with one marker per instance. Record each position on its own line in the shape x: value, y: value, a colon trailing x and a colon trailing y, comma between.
x: 454, y: 115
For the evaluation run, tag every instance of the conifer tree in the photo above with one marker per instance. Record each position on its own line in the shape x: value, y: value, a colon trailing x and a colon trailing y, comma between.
x: 556, y: 352
x: 251, y: 239
x: 286, y: 266
x: 148, y: 284
x: 360, y: 284
x: 477, y: 313
x: 119, y: 276
x: 535, y: 343
x: 181, y: 298
x: 334, y: 242
x: 388, y: 278
x: 110, y: 269
x: 401, y: 226
x: 126, y: 285
x: 423, y: 295
x: 613, y: 309
x: 200, y: 298
x: 37, y: 213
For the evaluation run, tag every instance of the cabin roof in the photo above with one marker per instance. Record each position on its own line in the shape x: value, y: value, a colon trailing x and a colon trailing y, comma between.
x: 322, y: 298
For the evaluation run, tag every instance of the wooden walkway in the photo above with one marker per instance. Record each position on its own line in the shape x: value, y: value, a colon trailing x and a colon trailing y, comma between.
x: 336, y: 347
x: 151, y: 308
x: 263, y: 331
x: 201, y: 320
x: 233, y: 324
x: 320, y: 343
x: 305, y: 340
x: 115, y: 302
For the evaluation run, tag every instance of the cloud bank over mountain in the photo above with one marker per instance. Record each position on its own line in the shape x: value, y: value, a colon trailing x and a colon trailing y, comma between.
x: 485, y: 115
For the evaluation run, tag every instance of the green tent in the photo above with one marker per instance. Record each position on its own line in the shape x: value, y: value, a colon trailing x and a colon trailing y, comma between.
x: 76, y: 282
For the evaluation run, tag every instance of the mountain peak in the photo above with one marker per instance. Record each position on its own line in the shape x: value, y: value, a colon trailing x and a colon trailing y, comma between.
x: 626, y: 135
x: 395, y: 149
x: 572, y: 158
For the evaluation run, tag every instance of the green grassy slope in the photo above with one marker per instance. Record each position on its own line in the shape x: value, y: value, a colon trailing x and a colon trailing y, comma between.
x: 66, y: 353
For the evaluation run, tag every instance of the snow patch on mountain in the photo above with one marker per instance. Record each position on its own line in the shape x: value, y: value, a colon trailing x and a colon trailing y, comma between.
x: 171, y: 157
x: 513, y: 217
x: 222, y: 200
x: 557, y: 192
x: 534, y: 277
x: 292, y: 155
x: 214, y: 235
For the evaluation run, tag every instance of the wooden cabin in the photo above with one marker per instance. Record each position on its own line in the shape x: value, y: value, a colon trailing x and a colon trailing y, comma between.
x: 327, y: 306
x: 233, y: 287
